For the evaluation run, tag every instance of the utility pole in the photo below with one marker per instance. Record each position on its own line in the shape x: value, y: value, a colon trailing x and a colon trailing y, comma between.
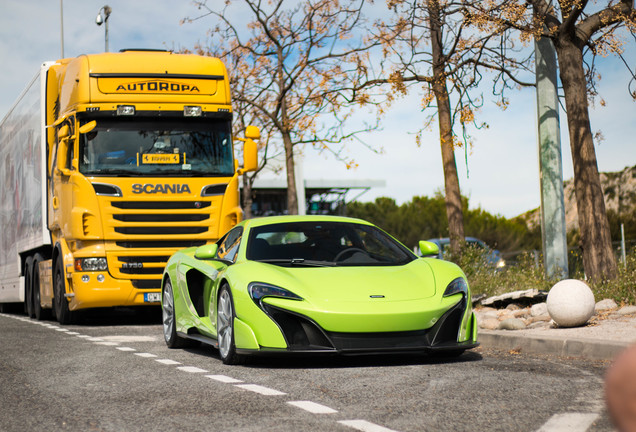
x: 553, y: 229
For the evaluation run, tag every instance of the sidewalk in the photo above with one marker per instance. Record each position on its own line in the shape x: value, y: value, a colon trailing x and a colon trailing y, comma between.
x: 601, y: 339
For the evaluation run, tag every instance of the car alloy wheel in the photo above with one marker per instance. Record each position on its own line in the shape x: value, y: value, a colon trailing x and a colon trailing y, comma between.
x: 225, y: 327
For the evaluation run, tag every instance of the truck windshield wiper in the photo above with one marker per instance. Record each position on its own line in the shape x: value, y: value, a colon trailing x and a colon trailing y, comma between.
x: 298, y: 262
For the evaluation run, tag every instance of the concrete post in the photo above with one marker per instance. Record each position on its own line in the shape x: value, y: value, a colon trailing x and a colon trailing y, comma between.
x: 553, y: 229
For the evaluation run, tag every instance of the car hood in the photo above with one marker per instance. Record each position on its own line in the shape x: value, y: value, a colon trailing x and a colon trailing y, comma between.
x: 324, y: 285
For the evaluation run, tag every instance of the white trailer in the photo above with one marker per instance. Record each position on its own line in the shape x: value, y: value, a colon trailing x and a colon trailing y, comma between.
x: 23, y: 197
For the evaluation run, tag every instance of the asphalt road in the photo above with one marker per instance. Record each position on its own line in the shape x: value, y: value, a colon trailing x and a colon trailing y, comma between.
x: 115, y: 373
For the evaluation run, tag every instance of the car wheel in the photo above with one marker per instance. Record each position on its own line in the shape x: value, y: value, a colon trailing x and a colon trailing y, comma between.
x: 39, y: 312
x: 60, y: 303
x: 225, y: 327
x: 28, y: 287
x: 168, y: 315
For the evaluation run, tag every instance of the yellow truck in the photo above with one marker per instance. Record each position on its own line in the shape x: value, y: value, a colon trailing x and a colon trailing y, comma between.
x: 110, y: 163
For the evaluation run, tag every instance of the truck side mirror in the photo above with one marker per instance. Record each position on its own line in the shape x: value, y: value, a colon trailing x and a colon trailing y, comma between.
x: 252, y: 132
x: 250, y: 149
x: 88, y: 127
x: 63, y: 132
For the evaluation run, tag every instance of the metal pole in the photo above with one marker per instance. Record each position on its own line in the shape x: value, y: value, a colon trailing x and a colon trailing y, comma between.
x: 62, y: 27
x: 623, y: 253
x: 106, y: 33
x: 553, y: 229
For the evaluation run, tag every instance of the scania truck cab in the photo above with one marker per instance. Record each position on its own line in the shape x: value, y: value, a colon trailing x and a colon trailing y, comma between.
x: 139, y: 162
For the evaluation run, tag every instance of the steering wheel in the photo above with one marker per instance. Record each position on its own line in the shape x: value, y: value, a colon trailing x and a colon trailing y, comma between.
x: 349, y: 250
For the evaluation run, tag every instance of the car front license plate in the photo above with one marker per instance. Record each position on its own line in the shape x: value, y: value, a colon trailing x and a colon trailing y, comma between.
x: 152, y: 297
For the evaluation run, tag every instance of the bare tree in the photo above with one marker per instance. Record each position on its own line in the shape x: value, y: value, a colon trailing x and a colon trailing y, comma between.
x: 431, y: 43
x: 579, y: 29
x: 291, y: 62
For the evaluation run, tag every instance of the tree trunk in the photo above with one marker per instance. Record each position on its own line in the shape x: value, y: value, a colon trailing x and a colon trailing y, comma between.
x: 292, y: 196
x: 247, y: 196
x: 598, y: 257
x: 453, y: 197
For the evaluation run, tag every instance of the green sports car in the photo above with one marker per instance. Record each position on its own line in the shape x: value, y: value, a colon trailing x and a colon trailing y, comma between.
x: 315, y: 284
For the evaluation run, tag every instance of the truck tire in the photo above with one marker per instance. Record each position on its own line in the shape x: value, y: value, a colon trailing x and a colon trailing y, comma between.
x: 60, y: 303
x: 28, y: 287
x: 39, y: 312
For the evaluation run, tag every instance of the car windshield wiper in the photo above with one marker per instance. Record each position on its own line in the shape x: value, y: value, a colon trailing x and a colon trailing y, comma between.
x: 298, y: 262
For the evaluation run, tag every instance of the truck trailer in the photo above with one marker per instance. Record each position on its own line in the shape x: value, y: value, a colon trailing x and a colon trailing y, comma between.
x: 110, y: 163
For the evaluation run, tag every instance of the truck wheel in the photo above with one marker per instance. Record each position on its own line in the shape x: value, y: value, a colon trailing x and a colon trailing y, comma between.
x: 28, y: 287
x: 60, y: 304
x: 39, y: 312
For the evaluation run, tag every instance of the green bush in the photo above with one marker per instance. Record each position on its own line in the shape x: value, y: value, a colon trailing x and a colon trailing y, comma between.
x: 527, y: 273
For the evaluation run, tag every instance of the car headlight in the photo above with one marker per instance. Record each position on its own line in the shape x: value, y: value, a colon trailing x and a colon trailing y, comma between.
x: 458, y: 285
x: 91, y: 264
x: 259, y: 290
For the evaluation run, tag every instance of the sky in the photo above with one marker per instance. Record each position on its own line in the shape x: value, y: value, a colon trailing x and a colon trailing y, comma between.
x: 499, y: 173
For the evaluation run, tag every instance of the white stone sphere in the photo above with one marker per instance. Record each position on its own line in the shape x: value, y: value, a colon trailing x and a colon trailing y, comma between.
x: 570, y: 303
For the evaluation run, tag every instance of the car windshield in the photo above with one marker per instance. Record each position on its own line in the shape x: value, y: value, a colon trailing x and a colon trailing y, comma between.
x: 157, y: 147
x: 325, y: 244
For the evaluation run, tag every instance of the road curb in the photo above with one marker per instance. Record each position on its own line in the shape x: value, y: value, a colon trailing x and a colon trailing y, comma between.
x: 593, y: 349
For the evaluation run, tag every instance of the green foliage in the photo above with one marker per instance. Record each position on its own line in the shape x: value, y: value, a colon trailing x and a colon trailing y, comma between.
x: 424, y: 218
x: 528, y: 273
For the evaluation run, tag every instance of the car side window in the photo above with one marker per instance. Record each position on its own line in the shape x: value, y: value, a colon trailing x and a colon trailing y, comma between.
x: 228, y: 248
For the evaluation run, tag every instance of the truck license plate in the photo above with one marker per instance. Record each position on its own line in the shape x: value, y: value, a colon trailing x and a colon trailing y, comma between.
x: 152, y: 297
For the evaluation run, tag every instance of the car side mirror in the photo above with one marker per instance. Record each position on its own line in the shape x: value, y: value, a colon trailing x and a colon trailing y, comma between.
x: 206, y: 252
x: 428, y: 248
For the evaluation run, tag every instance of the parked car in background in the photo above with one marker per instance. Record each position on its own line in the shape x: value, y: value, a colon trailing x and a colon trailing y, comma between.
x: 493, y: 256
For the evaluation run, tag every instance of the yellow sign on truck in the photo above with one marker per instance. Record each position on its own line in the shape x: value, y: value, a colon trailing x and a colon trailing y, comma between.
x: 110, y: 163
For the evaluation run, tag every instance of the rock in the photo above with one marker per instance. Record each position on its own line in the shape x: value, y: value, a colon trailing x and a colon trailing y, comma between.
x: 530, y: 296
x: 512, y: 324
x: 540, y: 325
x: 605, y: 305
x: 540, y: 318
x: 626, y: 310
x: 570, y: 303
x: 539, y: 309
x: 489, y: 323
x: 521, y: 313
x: 513, y: 307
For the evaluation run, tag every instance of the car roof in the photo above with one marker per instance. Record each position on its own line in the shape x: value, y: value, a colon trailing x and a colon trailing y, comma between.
x: 270, y: 220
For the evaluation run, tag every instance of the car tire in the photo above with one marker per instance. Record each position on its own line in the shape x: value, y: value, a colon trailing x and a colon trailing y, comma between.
x: 225, y: 315
x: 60, y: 303
x: 39, y: 312
x: 169, y: 318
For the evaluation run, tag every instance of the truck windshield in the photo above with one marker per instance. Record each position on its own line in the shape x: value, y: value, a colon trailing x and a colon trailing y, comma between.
x: 157, y: 147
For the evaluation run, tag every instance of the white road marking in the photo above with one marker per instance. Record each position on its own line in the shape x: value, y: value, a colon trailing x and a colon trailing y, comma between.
x: 84, y: 336
x: 107, y: 343
x: 260, y: 389
x: 167, y: 361
x: 128, y: 339
x: 126, y: 349
x: 62, y: 330
x: 569, y: 422
x: 95, y: 339
x: 313, y: 407
x: 192, y: 369
x: 224, y: 379
x: 72, y: 333
x: 145, y: 355
x: 365, y: 426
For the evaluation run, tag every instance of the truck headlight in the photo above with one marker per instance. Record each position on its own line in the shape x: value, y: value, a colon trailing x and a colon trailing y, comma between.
x: 91, y: 264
